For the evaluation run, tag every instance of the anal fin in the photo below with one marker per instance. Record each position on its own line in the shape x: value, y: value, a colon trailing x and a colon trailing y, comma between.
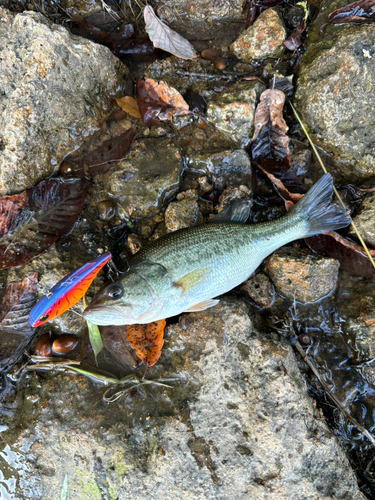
x: 202, y: 306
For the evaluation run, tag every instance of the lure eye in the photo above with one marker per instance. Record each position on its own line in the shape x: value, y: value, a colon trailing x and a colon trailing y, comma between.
x: 115, y: 291
x: 44, y: 317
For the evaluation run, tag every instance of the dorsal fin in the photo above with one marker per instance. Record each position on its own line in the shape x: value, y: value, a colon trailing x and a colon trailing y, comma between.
x: 237, y: 211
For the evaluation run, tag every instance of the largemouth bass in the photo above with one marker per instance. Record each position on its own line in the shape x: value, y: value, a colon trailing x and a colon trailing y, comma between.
x: 185, y: 270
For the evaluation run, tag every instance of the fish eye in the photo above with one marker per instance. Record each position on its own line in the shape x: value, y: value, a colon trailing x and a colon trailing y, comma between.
x: 115, y: 291
x: 44, y: 317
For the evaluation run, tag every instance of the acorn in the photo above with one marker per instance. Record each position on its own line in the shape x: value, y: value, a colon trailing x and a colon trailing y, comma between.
x: 43, y: 347
x: 66, y: 168
x: 64, y: 344
x: 305, y: 340
x: 220, y: 63
x: 210, y: 54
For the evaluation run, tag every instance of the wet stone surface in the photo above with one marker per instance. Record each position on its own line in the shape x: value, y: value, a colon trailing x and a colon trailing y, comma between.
x: 237, y: 403
x: 260, y: 289
x: 146, y: 178
x: 300, y: 275
x: 233, y: 110
x: 365, y: 220
x: 57, y: 91
x: 263, y: 39
x: 334, y: 94
x: 184, y: 212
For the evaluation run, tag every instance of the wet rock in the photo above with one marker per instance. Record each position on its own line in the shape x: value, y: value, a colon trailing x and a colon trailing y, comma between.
x: 184, y: 212
x: 146, y: 178
x: 365, y: 220
x: 233, y: 110
x: 335, y: 95
x: 263, y: 39
x: 224, y: 169
x: 77, y: 10
x: 300, y: 161
x: 57, y: 90
x: 355, y: 305
x: 234, y: 193
x: 237, y: 418
x: 134, y: 243
x: 260, y: 289
x: 184, y: 75
x: 301, y: 275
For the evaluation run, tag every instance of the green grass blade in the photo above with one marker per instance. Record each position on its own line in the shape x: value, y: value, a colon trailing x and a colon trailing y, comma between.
x: 94, y: 336
x: 64, y: 489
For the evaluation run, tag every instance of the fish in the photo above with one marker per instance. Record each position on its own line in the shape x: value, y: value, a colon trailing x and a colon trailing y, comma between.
x: 185, y: 271
x: 67, y: 291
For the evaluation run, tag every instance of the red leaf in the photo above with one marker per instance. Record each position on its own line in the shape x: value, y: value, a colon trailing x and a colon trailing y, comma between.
x: 103, y: 158
x: 357, y: 12
x: 11, y: 208
x: 147, y: 340
x: 294, y: 39
x: 16, y: 301
x: 351, y: 256
x: 158, y: 102
x: 50, y: 211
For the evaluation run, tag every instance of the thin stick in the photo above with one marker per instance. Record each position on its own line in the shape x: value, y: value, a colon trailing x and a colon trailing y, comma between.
x: 334, y: 189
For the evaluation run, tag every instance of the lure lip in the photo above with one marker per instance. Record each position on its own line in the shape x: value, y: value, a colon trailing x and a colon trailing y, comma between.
x: 49, y: 305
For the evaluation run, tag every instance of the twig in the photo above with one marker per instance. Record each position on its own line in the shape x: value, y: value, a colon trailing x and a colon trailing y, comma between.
x: 334, y: 189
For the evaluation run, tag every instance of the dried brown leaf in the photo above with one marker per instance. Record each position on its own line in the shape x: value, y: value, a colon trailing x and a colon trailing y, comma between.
x: 159, y: 102
x: 163, y: 37
x: 129, y: 105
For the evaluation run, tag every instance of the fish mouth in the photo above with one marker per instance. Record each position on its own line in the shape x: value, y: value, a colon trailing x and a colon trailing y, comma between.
x: 105, y: 316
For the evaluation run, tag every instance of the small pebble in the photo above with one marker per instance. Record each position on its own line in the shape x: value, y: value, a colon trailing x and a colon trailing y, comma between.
x: 210, y: 54
x: 106, y: 209
x: 64, y: 344
x: 305, y: 340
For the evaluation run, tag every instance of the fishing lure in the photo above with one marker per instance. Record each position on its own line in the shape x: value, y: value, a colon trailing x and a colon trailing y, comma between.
x: 67, y: 292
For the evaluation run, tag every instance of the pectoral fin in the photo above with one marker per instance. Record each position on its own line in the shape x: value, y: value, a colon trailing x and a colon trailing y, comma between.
x: 188, y: 281
x: 202, y: 306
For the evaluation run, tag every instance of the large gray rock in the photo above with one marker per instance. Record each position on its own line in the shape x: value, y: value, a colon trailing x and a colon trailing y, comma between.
x: 238, y: 424
x: 56, y: 91
x: 335, y: 93
x: 365, y: 220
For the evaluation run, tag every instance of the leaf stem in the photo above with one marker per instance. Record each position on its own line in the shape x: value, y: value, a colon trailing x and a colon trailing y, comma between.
x: 334, y: 189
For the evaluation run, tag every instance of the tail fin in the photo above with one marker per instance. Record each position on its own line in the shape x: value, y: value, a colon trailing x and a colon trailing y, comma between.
x: 315, y: 210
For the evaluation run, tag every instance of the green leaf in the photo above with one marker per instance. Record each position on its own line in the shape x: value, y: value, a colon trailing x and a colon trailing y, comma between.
x: 94, y: 336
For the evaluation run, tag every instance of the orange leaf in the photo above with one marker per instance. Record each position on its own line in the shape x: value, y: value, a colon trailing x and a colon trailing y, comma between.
x: 129, y: 105
x: 147, y: 340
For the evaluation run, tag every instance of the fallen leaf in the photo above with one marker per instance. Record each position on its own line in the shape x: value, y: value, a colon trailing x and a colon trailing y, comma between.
x: 163, y: 37
x: 11, y: 208
x: 94, y: 336
x: 139, y: 49
x: 50, y: 210
x: 356, y: 13
x: 147, y: 340
x: 129, y: 105
x: 294, y: 39
x: 270, y: 140
x: 351, y: 256
x: 16, y: 301
x: 116, y: 343
x: 104, y: 157
x: 270, y: 145
x: 159, y: 102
